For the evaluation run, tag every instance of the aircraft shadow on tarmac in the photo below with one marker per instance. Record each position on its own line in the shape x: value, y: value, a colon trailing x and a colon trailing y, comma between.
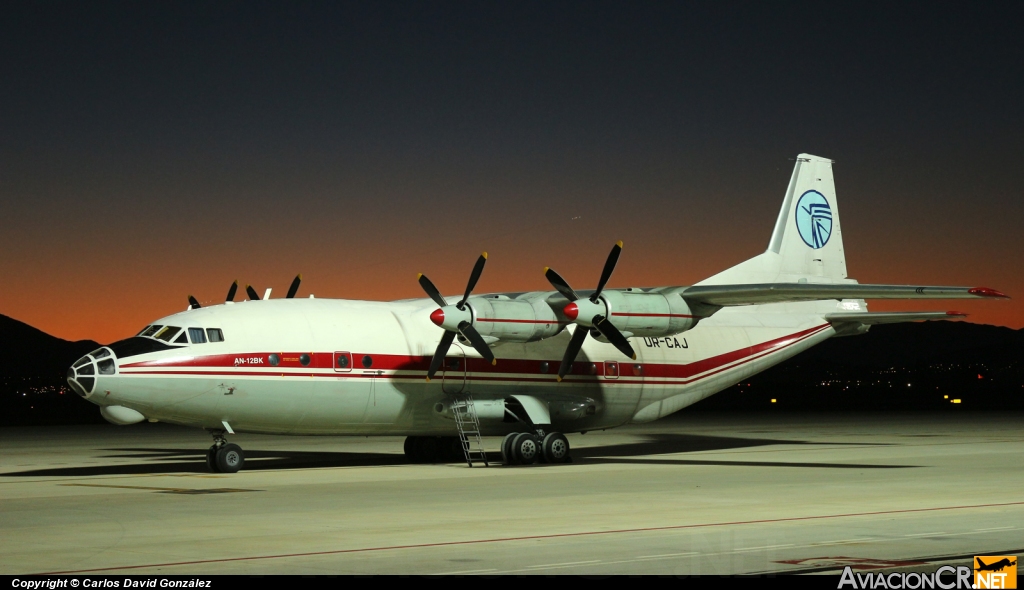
x: 157, y: 460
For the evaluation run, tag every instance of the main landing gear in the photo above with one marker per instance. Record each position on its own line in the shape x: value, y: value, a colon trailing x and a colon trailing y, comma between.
x: 434, y: 449
x: 524, y: 448
x: 224, y: 457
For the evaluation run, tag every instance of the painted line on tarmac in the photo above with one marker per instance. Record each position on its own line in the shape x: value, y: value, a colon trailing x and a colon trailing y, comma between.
x: 565, y: 564
x: 534, y: 537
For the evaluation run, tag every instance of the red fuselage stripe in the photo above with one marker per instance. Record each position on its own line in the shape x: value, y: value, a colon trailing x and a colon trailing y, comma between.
x: 653, y: 315
x: 508, y: 370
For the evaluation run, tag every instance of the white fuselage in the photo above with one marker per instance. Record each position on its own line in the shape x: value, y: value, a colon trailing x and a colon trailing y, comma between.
x: 366, y: 362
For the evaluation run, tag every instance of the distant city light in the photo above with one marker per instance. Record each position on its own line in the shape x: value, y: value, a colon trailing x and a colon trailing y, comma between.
x: 773, y: 400
x: 955, y: 401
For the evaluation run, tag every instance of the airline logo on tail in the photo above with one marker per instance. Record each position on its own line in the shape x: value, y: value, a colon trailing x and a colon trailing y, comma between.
x: 814, y: 219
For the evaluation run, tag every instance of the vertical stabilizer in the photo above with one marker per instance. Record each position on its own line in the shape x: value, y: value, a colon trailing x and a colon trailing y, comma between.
x: 807, y: 235
x: 807, y: 242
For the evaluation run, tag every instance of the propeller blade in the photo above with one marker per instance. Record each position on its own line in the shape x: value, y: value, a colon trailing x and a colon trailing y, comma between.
x: 231, y: 292
x: 609, y: 266
x: 473, y: 278
x: 442, y: 349
x: 192, y: 301
x: 572, y: 350
x: 609, y: 331
x: 253, y: 296
x: 295, y: 287
x: 559, y: 284
x: 431, y: 290
x: 477, y: 341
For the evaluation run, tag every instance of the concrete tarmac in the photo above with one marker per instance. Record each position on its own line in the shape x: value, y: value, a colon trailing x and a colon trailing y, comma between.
x: 697, y: 493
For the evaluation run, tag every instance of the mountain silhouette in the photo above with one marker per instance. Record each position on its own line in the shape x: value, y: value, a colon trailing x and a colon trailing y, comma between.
x: 33, y: 365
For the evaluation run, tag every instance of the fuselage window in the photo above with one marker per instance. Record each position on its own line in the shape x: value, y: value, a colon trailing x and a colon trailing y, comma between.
x: 274, y: 360
x: 367, y: 361
x: 197, y: 335
x: 304, y: 359
x: 342, y: 361
x: 151, y: 330
x: 181, y: 339
x: 167, y: 333
x: 215, y: 334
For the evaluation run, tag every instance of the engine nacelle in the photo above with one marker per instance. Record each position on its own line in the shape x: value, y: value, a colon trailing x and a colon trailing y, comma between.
x: 514, y: 320
x: 652, y: 314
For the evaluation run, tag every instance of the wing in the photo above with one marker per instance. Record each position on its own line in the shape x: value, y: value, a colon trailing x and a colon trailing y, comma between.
x: 891, y: 317
x: 728, y: 295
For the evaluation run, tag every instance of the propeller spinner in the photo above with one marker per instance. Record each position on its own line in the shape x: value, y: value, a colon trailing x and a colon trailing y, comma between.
x: 588, y: 314
x: 455, y: 319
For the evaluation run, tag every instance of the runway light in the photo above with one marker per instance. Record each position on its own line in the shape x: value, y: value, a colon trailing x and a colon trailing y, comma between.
x: 945, y: 397
x: 955, y: 401
x: 773, y: 400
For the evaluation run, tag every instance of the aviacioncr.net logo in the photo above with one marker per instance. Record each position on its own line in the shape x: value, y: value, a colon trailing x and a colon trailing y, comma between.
x: 946, y: 577
x: 814, y: 219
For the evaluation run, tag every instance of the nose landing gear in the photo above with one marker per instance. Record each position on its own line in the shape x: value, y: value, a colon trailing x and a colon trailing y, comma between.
x: 224, y: 457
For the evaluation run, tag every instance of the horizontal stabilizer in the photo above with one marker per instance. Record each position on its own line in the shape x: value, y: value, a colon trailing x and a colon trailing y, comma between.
x: 892, y: 317
x: 727, y: 295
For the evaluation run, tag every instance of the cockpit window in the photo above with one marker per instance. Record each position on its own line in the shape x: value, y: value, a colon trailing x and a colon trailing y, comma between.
x: 135, y: 346
x: 167, y: 333
x: 215, y: 334
x: 181, y: 339
x: 142, y: 330
x: 196, y: 335
x: 151, y: 330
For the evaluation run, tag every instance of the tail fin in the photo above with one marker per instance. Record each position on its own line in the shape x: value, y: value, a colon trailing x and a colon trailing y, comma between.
x: 807, y: 235
x: 807, y: 242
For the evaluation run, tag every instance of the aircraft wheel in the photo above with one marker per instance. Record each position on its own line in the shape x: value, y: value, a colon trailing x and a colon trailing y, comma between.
x: 411, y: 448
x: 429, y: 449
x: 525, y: 449
x: 453, y: 452
x: 555, y: 448
x: 506, y: 448
x: 211, y: 459
x: 230, y: 458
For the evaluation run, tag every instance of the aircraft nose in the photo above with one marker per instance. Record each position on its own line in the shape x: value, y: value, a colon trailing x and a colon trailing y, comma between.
x: 83, y: 374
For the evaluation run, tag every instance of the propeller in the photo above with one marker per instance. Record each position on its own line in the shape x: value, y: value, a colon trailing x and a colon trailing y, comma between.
x: 589, y: 313
x: 253, y: 295
x: 192, y: 301
x: 455, y: 319
x: 295, y: 286
x: 231, y: 292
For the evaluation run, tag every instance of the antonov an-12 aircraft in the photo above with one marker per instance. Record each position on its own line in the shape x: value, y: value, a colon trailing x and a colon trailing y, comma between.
x: 444, y: 371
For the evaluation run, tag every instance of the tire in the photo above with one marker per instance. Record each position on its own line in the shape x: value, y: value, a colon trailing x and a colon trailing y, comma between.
x: 453, y: 452
x: 411, y: 448
x: 555, y: 448
x: 525, y: 449
x: 230, y: 458
x: 429, y: 449
x: 506, y: 448
x: 211, y: 459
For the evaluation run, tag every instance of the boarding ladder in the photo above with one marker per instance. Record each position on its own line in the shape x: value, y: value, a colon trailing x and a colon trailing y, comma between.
x: 468, y: 424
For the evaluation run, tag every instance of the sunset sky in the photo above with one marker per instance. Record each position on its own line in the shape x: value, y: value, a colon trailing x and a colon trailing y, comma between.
x: 152, y: 150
